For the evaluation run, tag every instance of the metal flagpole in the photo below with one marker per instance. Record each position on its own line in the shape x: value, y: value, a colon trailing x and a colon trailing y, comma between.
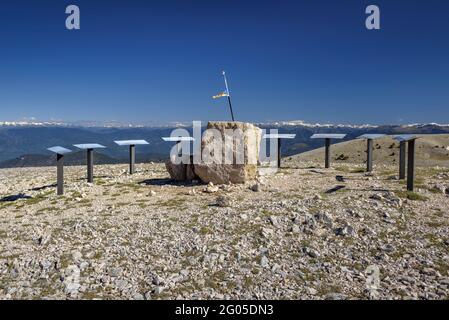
x: 229, y: 95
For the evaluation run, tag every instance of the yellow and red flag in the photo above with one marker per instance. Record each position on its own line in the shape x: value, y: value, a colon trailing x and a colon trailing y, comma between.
x: 220, y: 95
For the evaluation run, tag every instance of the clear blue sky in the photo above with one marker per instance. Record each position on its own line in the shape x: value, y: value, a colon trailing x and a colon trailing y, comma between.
x: 161, y: 61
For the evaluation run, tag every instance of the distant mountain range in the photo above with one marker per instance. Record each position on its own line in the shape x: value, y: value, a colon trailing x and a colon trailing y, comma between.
x: 24, y: 143
x: 174, y: 124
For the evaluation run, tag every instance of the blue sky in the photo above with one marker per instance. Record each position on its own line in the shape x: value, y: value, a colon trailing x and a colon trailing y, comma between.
x: 162, y: 61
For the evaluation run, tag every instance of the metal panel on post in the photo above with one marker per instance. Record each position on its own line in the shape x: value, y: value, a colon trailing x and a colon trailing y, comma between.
x: 279, y: 137
x: 90, y: 157
x: 60, y: 174
x: 411, y: 165
x: 328, y: 153
x: 90, y: 165
x: 60, y: 152
x: 327, y: 137
x: 402, y: 152
x: 369, y: 148
x: 410, y: 139
x: 403, y: 138
x: 132, y: 159
x: 132, y: 151
x: 369, y: 155
x: 178, y: 141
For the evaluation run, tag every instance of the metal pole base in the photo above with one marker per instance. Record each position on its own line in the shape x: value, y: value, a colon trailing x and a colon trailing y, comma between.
x: 60, y: 174
x: 328, y: 154
x: 132, y: 159
x: 90, y: 165
x: 411, y: 166
x: 402, y: 151
x: 369, y: 155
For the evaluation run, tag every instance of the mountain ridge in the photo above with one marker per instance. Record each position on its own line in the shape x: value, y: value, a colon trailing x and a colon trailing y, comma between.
x: 17, y: 142
x: 174, y: 124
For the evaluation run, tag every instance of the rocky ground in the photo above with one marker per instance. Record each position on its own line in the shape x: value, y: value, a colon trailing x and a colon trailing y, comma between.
x: 298, y: 234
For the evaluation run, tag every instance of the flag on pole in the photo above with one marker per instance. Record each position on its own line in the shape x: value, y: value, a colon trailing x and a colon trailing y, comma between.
x: 227, y: 94
x: 220, y: 95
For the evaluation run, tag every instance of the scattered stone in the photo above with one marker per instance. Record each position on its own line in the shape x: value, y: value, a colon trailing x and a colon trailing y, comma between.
x: 347, y: 230
x: 77, y: 256
x: 430, y: 272
x: 267, y: 233
x: 138, y: 296
x: 274, y: 221
x: 311, y: 291
x: 324, y: 218
x: 335, y: 296
x: 377, y: 196
x: 115, y: 272
x: 211, y: 188
x: 158, y: 290
x: 121, y: 284
x: 268, y: 246
x: 223, y: 201
x: 440, y: 188
x: 43, y: 238
x: 71, y: 280
x: 311, y: 252
x: 264, y: 261
x: 156, y: 280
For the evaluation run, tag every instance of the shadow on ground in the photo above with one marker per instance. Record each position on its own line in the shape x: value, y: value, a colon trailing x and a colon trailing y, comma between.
x: 15, y: 197
x: 341, y: 187
x: 43, y: 187
x: 165, y: 182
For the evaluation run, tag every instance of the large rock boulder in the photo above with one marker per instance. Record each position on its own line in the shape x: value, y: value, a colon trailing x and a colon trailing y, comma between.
x: 182, y: 171
x: 230, y: 153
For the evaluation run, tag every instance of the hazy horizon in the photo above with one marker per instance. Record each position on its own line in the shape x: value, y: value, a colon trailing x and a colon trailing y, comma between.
x: 32, y: 120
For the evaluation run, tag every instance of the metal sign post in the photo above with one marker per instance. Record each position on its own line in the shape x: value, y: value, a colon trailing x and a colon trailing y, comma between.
x: 132, y: 159
x: 328, y: 137
x: 60, y: 152
x: 370, y: 148
x: 411, y: 165
x: 410, y: 140
x: 90, y: 165
x: 132, y: 151
x: 178, y: 141
x: 60, y: 174
x: 327, y: 162
x: 279, y: 137
x: 402, y: 152
x: 89, y: 147
x: 369, y: 155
